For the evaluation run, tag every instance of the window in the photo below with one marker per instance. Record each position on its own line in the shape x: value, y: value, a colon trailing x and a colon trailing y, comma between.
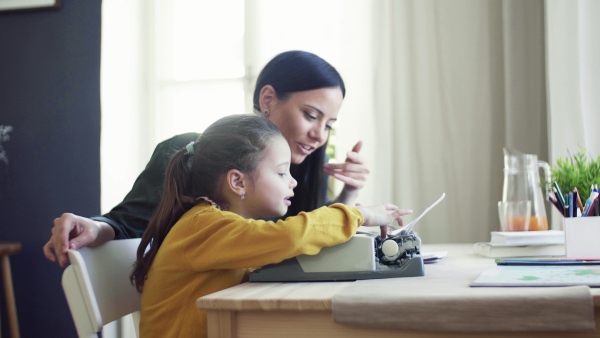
x: 175, y: 66
x: 208, y: 54
x: 200, y: 65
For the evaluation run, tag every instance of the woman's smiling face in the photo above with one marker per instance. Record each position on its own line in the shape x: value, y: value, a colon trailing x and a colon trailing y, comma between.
x: 305, y: 118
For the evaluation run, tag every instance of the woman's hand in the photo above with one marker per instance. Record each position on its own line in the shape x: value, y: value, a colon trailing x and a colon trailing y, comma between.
x: 353, y: 172
x: 382, y: 215
x: 73, y: 232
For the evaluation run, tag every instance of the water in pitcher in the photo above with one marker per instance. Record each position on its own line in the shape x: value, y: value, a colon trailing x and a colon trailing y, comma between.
x: 522, y: 183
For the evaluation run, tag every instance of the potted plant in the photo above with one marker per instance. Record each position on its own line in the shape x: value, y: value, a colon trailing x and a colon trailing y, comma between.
x: 579, y: 170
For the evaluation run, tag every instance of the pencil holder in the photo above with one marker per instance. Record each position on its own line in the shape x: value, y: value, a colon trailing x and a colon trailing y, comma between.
x: 581, y: 237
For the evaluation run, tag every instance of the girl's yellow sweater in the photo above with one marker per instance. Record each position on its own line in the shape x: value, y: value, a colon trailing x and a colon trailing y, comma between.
x: 209, y: 250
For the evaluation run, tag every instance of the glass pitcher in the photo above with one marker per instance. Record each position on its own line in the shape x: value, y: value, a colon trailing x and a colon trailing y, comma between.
x: 522, y: 183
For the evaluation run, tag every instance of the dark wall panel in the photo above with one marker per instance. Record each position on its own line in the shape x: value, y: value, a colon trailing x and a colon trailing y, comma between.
x: 50, y: 94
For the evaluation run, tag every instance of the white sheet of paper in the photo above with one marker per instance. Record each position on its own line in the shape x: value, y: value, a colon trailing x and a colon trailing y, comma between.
x: 410, y: 225
x: 433, y: 256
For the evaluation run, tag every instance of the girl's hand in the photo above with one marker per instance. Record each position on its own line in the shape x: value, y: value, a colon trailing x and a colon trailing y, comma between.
x: 382, y: 215
x: 353, y: 172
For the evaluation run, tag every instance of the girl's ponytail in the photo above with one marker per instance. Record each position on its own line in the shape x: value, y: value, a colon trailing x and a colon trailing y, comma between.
x: 175, y: 202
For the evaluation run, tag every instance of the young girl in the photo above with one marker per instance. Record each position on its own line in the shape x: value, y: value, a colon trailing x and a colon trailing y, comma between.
x: 206, y: 234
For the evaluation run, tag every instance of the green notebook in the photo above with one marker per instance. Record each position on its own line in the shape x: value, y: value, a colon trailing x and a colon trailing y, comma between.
x: 534, y: 275
x: 545, y: 261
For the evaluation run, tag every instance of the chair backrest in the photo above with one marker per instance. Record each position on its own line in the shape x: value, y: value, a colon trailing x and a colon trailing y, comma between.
x: 97, y: 285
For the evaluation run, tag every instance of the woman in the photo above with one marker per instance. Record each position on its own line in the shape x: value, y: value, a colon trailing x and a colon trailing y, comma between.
x: 301, y: 94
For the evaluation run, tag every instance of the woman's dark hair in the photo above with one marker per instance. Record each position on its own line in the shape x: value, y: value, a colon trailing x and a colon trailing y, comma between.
x: 288, y: 73
x: 232, y: 142
x: 297, y: 71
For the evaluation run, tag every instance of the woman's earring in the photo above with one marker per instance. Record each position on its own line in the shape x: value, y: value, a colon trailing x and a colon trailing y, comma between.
x: 243, y: 196
x: 266, y: 112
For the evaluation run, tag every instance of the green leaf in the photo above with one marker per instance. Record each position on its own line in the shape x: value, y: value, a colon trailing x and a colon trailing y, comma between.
x: 578, y: 170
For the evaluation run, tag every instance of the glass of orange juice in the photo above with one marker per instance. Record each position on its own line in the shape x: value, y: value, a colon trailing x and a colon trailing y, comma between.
x: 514, y: 215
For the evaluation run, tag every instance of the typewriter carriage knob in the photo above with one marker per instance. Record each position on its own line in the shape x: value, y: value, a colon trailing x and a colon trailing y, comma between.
x: 389, y: 248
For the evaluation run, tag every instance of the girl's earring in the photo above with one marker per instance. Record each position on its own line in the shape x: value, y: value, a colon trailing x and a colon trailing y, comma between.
x: 266, y: 112
x: 243, y: 196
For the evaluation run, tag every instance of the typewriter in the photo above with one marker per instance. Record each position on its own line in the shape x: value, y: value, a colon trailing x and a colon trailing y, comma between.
x: 364, y: 256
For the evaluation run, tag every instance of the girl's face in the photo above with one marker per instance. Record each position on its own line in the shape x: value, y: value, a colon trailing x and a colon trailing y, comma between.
x: 273, y: 186
x: 305, y: 119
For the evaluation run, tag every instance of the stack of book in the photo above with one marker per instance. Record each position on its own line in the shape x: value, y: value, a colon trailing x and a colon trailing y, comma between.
x: 522, y: 244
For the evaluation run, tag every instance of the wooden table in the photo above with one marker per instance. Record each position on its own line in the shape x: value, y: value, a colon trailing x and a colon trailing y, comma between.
x: 305, y: 309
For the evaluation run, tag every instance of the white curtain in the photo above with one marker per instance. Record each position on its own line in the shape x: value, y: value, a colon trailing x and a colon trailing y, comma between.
x: 573, y: 67
x: 573, y: 72
x: 453, y: 82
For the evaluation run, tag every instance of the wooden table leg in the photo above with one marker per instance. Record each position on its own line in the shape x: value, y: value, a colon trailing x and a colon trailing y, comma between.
x: 221, y: 324
x: 11, y: 308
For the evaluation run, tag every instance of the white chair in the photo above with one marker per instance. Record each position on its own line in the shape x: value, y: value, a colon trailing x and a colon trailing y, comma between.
x: 97, y: 286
